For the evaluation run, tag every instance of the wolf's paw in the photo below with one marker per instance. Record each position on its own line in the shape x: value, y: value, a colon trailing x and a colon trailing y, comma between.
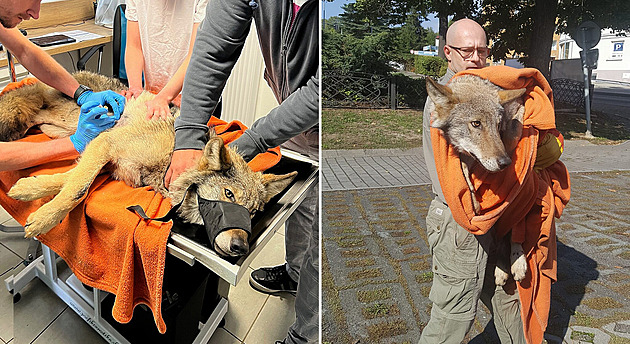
x: 42, y: 221
x: 519, y: 264
x: 500, y: 276
x: 25, y: 190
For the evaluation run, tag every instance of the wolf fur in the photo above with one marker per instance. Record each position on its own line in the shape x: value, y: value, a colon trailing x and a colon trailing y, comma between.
x: 484, y: 123
x: 137, y: 151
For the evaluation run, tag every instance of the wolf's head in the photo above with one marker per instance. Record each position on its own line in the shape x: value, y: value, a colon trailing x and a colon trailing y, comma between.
x: 222, y: 174
x: 478, y: 118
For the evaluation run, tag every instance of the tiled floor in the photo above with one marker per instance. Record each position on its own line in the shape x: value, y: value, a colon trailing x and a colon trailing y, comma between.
x: 41, y: 317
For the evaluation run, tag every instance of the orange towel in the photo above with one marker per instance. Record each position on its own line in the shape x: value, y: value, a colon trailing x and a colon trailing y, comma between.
x: 17, y: 84
x: 107, y: 246
x: 516, y: 198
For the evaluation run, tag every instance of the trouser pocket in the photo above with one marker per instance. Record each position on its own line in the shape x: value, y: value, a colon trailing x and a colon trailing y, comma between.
x: 435, y: 223
x: 452, y: 295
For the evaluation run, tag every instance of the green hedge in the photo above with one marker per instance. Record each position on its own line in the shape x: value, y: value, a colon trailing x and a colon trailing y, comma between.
x: 429, y: 65
x: 411, y: 92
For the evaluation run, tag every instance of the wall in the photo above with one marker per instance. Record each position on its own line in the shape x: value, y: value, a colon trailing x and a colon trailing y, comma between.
x: 246, y: 96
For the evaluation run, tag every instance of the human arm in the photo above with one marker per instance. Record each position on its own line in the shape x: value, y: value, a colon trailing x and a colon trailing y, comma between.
x: 20, y: 155
x: 38, y: 62
x: 218, y: 45
x: 298, y: 113
x: 134, y: 60
x: 47, y: 70
x: 159, y: 106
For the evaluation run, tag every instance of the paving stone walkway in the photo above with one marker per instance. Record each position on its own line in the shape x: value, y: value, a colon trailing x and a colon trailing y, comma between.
x: 376, y: 273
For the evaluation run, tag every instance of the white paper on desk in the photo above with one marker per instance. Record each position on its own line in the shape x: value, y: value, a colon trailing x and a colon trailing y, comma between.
x: 78, y: 35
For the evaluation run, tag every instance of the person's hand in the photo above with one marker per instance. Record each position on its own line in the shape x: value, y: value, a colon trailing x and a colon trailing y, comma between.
x: 182, y: 160
x: 132, y: 92
x: 92, y: 121
x: 111, y: 98
x: 158, y: 108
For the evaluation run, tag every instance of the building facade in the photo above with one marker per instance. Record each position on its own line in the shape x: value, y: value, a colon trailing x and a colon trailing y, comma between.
x: 614, y: 59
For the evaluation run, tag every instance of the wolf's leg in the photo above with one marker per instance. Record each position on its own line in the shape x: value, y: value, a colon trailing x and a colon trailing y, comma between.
x: 471, y: 187
x: 500, y: 275
x: 518, y: 262
x: 36, y: 187
x: 95, y: 156
x: 502, y: 268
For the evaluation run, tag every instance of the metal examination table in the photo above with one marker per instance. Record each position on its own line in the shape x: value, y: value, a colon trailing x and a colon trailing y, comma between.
x: 196, y: 279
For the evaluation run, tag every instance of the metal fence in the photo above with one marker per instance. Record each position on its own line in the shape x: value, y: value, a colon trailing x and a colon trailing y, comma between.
x: 365, y: 90
x: 569, y: 91
x: 354, y: 89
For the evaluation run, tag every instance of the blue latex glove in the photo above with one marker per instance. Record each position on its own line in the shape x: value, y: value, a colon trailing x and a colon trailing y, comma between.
x: 111, y: 98
x: 92, y: 121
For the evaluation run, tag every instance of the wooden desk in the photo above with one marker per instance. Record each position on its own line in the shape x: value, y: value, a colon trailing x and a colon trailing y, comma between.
x: 87, y: 26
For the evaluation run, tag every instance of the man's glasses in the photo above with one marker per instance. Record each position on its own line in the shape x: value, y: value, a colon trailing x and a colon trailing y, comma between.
x: 467, y: 52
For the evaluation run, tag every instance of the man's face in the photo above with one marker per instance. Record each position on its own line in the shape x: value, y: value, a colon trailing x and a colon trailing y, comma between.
x: 467, y: 50
x: 12, y: 12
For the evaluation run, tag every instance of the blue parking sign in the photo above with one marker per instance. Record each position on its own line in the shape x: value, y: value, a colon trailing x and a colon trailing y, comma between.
x: 618, y: 46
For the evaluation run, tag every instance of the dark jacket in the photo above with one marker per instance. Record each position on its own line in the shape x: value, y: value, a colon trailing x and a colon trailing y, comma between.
x: 291, y: 55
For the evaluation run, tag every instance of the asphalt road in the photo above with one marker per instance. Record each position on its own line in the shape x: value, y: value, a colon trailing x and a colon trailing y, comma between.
x: 612, y: 98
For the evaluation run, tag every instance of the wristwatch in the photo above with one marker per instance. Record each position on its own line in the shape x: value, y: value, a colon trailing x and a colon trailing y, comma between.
x: 80, y: 90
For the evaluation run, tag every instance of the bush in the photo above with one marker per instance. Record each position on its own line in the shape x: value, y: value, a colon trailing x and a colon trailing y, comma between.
x: 412, y: 93
x: 430, y: 65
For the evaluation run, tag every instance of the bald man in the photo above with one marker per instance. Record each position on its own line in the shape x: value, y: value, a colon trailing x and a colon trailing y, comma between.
x: 461, y: 260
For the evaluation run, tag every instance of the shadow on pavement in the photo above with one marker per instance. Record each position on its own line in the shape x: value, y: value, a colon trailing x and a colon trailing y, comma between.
x: 575, y: 271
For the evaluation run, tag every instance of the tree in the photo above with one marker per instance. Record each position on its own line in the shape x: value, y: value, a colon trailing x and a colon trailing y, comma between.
x: 610, y: 14
x: 429, y: 37
x: 356, y: 23
x: 526, y: 28
x: 395, y: 11
x: 341, y: 50
x: 410, y: 35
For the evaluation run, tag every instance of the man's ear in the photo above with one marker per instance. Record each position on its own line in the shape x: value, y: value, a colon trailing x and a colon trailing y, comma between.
x: 274, y: 184
x: 506, y: 96
x: 447, y: 52
x: 215, y: 156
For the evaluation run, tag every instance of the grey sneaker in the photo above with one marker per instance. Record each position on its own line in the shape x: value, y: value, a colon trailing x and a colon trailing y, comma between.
x: 272, y: 280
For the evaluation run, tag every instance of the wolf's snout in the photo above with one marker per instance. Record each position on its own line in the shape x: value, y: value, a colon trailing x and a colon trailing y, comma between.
x: 239, y: 247
x: 504, y: 162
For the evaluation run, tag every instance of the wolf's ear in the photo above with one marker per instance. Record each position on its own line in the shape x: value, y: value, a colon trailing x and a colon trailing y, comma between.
x: 506, y: 96
x: 274, y: 184
x: 215, y: 156
x: 440, y: 95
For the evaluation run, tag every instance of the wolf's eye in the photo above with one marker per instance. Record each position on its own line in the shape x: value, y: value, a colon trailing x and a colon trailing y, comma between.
x: 229, y: 195
x: 475, y: 124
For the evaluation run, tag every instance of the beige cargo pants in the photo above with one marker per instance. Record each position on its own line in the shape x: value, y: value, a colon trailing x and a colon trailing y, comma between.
x: 463, y: 273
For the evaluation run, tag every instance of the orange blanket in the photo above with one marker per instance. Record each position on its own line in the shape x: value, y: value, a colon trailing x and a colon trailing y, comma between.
x: 517, y: 198
x: 107, y: 246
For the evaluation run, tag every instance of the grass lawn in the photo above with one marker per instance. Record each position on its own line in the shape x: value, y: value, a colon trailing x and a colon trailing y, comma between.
x: 383, y: 128
x: 371, y: 128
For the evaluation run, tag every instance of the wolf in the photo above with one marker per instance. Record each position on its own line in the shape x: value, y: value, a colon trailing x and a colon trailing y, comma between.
x: 484, y: 123
x: 137, y: 151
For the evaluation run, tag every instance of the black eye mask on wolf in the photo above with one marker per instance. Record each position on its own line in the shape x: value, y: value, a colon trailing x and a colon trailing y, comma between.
x: 217, y: 216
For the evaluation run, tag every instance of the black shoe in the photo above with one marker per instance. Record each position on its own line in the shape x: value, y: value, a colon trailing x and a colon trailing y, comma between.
x: 271, y: 280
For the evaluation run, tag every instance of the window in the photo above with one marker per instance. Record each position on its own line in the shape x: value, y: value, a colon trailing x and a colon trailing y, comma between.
x: 565, y: 50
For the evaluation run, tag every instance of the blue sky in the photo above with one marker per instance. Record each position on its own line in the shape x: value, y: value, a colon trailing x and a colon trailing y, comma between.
x: 331, y: 9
